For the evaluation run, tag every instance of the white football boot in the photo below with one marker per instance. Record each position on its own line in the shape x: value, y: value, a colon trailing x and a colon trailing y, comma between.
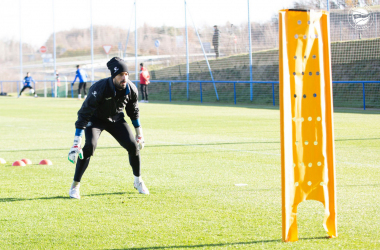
x: 74, y: 190
x: 140, y: 186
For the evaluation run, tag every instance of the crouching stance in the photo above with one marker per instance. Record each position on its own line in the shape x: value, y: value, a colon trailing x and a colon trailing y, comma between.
x: 103, y: 110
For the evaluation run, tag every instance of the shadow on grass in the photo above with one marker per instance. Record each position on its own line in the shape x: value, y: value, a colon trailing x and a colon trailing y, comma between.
x: 358, y: 139
x: 181, y: 145
x: 33, y: 199
x: 115, y: 193
x: 209, y: 144
x: 159, y: 145
x: 316, y: 238
x: 200, y: 245
x: 360, y: 185
x: 65, y: 197
x: 220, y: 244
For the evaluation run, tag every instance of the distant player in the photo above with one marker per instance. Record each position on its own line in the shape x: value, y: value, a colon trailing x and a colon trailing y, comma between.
x: 215, y: 41
x: 144, y: 81
x: 58, y: 80
x: 103, y: 110
x: 27, y: 81
x: 81, y: 74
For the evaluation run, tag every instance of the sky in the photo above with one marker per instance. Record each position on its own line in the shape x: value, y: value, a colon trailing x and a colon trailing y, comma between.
x: 36, y: 20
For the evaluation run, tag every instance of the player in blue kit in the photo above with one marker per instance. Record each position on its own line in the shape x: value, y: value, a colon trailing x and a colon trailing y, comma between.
x: 27, y: 81
x: 81, y: 74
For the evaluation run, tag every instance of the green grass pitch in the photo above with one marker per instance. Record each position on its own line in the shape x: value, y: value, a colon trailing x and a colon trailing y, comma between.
x: 193, y: 158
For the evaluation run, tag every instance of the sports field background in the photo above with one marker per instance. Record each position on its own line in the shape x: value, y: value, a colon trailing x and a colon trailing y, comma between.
x: 194, y: 156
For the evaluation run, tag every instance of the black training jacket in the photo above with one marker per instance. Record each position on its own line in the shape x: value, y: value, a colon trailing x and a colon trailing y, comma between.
x: 102, y: 104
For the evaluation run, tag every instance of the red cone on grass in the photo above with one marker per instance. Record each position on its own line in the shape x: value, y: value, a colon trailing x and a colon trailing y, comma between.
x: 46, y: 162
x: 27, y: 161
x: 19, y: 163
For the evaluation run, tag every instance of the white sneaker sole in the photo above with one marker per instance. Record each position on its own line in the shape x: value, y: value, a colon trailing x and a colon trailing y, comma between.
x: 141, y: 191
x: 72, y: 196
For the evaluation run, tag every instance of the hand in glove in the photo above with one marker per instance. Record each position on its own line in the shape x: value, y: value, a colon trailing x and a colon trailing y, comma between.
x: 76, y: 150
x: 139, y: 137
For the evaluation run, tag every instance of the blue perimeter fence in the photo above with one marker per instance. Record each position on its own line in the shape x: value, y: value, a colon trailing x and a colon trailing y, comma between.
x: 361, y: 94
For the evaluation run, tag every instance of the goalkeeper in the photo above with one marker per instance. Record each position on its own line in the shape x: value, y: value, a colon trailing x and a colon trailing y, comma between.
x: 27, y: 81
x: 103, y: 110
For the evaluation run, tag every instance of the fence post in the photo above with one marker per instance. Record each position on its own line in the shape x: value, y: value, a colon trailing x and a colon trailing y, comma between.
x: 250, y: 51
x: 170, y: 92
x: 18, y: 91
x: 187, y: 55
x: 274, y: 102
x: 363, y: 96
x: 52, y: 89
x: 235, y: 93
x: 136, y: 68
x: 72, y: 91
x: 200, y: 89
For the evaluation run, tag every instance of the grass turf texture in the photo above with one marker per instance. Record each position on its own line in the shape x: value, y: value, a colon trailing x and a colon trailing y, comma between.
x: 194, y: 156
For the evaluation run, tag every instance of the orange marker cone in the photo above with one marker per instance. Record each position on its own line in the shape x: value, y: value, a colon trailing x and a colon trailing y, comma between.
x: 27, y: 161
x: 45, y: 162
x: 19, y: 163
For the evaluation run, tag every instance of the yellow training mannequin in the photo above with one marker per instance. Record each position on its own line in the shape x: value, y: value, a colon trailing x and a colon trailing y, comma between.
x: 307, y: 131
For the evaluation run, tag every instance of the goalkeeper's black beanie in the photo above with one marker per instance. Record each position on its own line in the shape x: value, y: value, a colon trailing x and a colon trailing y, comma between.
x: 117, y: 65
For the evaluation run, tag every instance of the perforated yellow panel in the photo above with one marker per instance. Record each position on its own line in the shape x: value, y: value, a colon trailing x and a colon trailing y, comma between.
x: 307, y: 139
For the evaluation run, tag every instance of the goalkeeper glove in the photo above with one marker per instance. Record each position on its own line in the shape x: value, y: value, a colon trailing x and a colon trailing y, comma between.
x: 139, y: 137
x: 76, y: 150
